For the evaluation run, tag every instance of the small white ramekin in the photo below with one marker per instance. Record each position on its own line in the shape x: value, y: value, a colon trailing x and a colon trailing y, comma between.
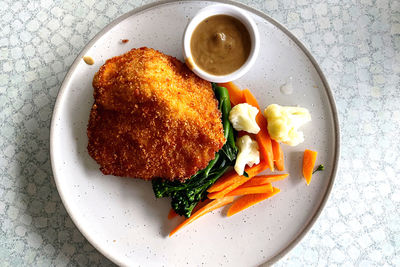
x: 222, y: 9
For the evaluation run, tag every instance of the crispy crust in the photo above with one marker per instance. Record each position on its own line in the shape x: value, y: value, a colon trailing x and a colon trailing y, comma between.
x: 152, y: 117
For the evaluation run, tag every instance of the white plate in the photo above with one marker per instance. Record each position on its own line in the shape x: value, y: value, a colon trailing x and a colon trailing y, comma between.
x: 122, y: 218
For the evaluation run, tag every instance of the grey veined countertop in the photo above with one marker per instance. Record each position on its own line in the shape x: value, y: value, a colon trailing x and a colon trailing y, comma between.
x: 357, y: 44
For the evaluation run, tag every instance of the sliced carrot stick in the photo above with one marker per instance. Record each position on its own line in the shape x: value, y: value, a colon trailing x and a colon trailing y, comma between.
x: 278, y: 155
x: 308, y: 164
x: 231, y: 180
x: 235, y: 94
x: 263, y: 139
x: 224, y: 181
x: 256, y: 169
x: 238, y: 181
x: 264, y: 179
x: 249, y: 200
x: 258, y: 189
x: 215, y: 204
x: 172, y: 214
x: 220, y: 194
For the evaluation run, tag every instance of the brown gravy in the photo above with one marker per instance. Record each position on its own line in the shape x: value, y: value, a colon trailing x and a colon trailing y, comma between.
x: 220, y: 44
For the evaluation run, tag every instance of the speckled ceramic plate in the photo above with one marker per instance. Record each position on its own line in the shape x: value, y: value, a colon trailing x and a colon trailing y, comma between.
x: 122, y: 218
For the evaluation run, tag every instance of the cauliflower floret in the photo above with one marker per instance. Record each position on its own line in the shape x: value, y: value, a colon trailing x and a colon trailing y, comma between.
x: 284, y: 122
x: 243, y: 118
x: 248, y: 153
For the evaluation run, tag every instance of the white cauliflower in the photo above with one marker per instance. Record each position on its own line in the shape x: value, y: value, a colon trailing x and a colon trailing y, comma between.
x: 243, y: 118
x: 248, y: 153
x: 284, y: 123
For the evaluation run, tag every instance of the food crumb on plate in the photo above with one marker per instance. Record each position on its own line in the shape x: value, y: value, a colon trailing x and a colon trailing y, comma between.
x: 88, y: 60
x: 124, y: 41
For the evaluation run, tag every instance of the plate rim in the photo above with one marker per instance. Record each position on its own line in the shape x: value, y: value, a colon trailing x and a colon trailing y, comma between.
x: 274, y: 22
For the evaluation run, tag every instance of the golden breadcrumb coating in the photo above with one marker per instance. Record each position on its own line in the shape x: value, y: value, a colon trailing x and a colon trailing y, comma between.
x: 152, y: 117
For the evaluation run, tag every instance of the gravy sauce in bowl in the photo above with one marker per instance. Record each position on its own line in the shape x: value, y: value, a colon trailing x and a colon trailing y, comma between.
x: 220, y: 44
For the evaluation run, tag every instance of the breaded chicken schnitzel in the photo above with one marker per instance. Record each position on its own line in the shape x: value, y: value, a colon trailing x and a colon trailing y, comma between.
x: 152, y: 118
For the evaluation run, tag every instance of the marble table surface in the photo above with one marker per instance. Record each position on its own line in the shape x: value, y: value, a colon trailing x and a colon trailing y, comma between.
x: 357, y: 44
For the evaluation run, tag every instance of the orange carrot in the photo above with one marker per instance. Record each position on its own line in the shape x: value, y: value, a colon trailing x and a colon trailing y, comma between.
x: 264, y: 179
x: 231, y: 180
x: 215, y: 204
x: 231, y: 177
x: 308, y: 164
x: 263, y: 139
x: 235, y: 94
x: 172, y: 214
x: 247, y: 190
x: 223, y: 182
x: 249, y: 200
x: 278, y: 155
